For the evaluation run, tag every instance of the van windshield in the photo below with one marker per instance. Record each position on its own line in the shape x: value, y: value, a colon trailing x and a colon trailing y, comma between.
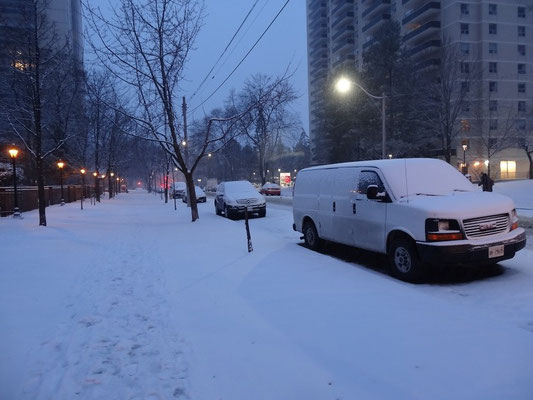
x: 425, y: 177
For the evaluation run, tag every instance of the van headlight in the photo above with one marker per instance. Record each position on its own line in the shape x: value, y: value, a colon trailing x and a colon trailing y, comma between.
x: 442, y: 230
x: 514, y: 219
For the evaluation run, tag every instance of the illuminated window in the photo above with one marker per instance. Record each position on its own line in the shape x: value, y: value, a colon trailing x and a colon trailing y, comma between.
x: 508, y: 169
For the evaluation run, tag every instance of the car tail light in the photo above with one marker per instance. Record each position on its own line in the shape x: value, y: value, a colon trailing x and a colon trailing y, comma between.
x: 443, y: 230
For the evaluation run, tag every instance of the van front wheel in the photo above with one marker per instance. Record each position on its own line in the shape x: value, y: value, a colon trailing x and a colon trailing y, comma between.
x: 404, y: 261
x: 312, y: 240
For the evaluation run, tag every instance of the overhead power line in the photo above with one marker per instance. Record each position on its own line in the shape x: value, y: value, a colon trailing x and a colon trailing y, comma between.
x: 225, y: 49
x: 244, y: 58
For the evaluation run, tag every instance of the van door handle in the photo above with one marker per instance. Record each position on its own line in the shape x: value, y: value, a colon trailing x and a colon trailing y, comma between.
x: 354, y: 209
x: 333, y: 206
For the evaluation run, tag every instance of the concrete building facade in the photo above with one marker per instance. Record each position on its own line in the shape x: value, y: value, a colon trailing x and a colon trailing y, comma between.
x: 495, y: 37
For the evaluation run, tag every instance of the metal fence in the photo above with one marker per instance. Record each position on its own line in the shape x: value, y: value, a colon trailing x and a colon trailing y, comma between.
x: 28, y: 199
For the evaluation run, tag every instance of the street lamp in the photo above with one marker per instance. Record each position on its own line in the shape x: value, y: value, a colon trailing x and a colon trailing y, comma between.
x: 60, y: 165
x: 465, y: 146
x: 13, y: 153
x: 343, y: 85
x: 82, y: 171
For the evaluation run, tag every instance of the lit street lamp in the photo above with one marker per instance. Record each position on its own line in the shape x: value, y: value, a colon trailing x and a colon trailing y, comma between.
x: 343, y: 85
x: 60, y: 165
x: 465, y: 147
x: 82, y: 171
x: 13, y: 153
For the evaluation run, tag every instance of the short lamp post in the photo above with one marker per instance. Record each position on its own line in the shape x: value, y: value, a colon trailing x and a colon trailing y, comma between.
x: 82, y: 171
x: 61, y: 165
x: 13, y: 153
x: 343, y: 85
x: 465, y: 169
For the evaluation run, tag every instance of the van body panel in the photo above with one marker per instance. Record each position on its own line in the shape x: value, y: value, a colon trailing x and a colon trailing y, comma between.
x: 412, y: 191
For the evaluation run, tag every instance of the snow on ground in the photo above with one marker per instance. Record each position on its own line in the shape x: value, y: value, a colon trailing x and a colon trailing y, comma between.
x: 521, y: 192
x: 129, y: 300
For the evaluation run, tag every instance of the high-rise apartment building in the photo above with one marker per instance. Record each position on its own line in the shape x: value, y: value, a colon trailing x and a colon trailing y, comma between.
x: 63, y: 15
x: 496, y: 37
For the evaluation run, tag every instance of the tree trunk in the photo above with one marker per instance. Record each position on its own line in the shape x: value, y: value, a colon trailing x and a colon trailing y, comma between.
x: 109, y: 185
x: 40, y: 192
x: 191, y: 195
x: 530, y: 158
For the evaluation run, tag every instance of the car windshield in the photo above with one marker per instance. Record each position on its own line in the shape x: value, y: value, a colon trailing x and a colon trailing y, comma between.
x: 239, y: 186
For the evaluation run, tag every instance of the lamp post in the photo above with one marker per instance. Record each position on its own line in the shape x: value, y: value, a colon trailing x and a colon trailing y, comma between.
x: 343, y: 85
x: 465, y: 147
x: 82, y: 171
x: 60, y: 165
x: 13, y: 153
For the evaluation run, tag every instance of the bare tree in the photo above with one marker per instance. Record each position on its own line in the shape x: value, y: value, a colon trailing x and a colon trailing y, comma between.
x: 448, y: 97
x: 145, y: 44
x: 44, y: 84
x: 524, y: 140
x: 263, y: 103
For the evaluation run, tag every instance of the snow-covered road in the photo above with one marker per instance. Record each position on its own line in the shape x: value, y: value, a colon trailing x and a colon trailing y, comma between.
x: 129, y: 300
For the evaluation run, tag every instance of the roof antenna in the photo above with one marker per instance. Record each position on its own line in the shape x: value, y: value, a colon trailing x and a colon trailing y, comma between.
x: 406, y: 187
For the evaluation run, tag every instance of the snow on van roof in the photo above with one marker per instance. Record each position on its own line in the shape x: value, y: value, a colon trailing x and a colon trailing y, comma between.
x: 412, y: 176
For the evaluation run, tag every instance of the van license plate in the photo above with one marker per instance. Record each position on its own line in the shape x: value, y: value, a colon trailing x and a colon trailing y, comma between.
x: 496, y: 251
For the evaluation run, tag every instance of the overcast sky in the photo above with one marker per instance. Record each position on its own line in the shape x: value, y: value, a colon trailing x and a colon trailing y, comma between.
x: 283, y: 44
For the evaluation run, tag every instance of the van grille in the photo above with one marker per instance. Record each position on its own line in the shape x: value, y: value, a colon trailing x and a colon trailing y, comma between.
x: 486, y: 226
x: 246, y: 201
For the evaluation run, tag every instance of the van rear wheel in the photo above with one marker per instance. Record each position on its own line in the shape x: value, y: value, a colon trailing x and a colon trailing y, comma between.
x: 311, y: 238
x: 404, y: 261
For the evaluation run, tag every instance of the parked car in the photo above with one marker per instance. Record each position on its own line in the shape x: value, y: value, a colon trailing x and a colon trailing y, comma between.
x: 271, y: 189
x: 178, y: 190
x: 232, y: 198
x: 419, y: 212
x: 200, y: 195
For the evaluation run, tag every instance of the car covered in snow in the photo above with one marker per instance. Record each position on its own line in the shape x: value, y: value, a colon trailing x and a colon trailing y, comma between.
x: 200, y: 195
x: 271, y: 189
x: 419, y: 212
x: 234, y: 197
x: 178, y: 189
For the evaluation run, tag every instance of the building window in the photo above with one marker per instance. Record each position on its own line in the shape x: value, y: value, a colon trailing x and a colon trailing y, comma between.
x: 465, y: 48
x: 493, y: 105
x: 521, y: 12
x: 521, y: 31
x: 493, y: 86
x: 464, y: 29
x: 521, y: 49
x: 493, y: 9
x: 521, y: 124
x: 465, y: 86
x: 493, y: 29
x: 493, y: 124
x: 521, y: 87
x: 466, y: 106
x: 521, y: 68
x: 493, y: 67
x: 493, y: 48
x: 508, y: 169
x: 465, y: 10
x: 521, y: 106
x: 465, y: 67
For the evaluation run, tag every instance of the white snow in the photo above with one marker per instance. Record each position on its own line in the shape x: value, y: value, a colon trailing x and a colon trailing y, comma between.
x: 521, y: 192
x: 130, y: 300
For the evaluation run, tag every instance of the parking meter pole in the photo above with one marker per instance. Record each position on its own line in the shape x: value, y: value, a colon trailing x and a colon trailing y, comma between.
x: 248, y: 236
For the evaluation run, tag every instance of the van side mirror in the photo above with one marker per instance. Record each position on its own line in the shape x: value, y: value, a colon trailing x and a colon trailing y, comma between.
x: 372, y: 193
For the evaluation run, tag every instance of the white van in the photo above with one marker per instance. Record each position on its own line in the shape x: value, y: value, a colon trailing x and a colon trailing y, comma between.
x: 418, y: 211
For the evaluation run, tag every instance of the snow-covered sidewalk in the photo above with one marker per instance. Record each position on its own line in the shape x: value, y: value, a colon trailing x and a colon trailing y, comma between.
x: 129, y: 300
